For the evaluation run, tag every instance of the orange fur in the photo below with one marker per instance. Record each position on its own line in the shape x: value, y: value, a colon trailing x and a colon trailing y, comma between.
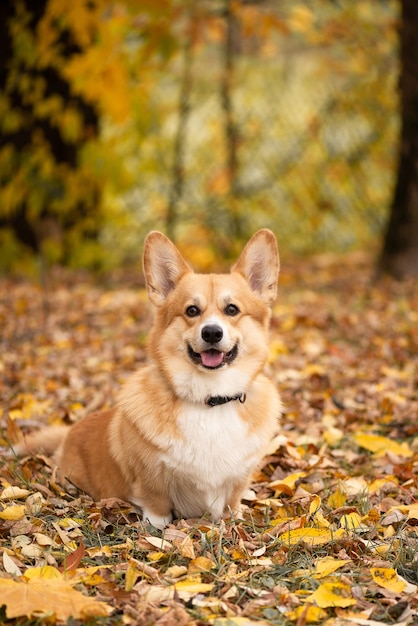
x: 163, y: 447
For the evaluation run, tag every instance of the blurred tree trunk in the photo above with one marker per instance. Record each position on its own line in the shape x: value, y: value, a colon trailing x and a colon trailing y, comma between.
x: 400, y: 249
x: 231, y: 131
x: 178, y: 172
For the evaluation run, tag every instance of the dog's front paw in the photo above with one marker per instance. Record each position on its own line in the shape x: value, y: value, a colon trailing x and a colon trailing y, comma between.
x: 159, y: 521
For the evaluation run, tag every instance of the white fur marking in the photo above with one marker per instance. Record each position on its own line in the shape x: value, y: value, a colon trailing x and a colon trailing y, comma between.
x: 213, y: 455
x: 159, y: 521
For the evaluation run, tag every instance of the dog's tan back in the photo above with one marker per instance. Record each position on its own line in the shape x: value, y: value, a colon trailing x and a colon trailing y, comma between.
x: 191, y: 426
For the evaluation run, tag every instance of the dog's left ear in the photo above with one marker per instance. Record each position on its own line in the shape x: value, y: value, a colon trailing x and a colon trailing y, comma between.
x: 259, y: 264
x: 163, y: 266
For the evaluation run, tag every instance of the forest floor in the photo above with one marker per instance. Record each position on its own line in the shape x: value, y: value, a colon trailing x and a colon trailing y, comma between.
x: 329, y: 533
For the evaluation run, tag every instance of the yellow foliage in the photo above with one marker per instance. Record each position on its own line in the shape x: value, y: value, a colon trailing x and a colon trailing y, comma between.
x: 380, y: 445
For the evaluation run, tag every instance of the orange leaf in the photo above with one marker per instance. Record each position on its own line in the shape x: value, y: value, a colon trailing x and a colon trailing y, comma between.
x: 74, y: 559
x: 45, y: 595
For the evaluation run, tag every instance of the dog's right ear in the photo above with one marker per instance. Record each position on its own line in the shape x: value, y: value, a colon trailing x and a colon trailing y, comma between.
x: 163, y: 266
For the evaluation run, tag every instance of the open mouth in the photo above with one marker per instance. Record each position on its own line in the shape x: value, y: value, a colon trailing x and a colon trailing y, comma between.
x: 213, y: 359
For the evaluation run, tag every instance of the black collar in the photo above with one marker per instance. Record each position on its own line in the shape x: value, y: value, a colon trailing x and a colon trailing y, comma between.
x: 217, y: 400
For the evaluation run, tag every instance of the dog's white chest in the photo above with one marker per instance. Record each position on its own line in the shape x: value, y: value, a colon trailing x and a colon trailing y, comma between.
x: 215, y: 443
x: 213, y: 452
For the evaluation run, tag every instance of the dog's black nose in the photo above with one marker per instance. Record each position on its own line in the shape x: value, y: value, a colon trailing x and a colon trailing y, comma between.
x: 212, y: 333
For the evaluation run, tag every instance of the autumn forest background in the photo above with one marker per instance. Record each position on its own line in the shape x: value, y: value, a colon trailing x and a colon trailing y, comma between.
x: 208, y: 120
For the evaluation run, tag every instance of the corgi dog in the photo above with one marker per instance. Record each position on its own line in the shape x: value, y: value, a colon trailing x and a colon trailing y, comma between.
x: 190, y: 427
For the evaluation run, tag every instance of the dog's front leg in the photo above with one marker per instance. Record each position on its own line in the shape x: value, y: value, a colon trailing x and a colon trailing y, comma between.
x: 159, y: 515
x: 159, y: 521
x: 234, y: 506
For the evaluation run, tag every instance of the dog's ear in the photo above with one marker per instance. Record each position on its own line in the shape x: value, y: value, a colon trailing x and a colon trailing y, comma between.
x: 259, y: 264
x: 163, y: 266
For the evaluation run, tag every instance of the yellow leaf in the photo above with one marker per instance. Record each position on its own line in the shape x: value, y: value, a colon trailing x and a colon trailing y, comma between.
x: 413, y: 511
x: 186, y: 547
x: 239, y: 621
x: 69, y: 522
x: 314, y: 505
x: 155, y: 556
x: 311, y: 536
x: 311, y: 614
x: 380, y: 445
x: 201, y: 564
x: 237, y: 554
x: 43, y: 595
x: 328, y: 565
x: 187, y: 589
x: 175, y: 571
x: 13, y: 512
x: 131, y: 576
x: 99, y: 551
x: 288, y: 483
x: 376, y: 485
x: 46, y: 572
x: 332, y: 594
x: 336, y: 499
x: 388, y: 578
x: 13, y: 493
x: 351, y: 521
x: 320, y: 520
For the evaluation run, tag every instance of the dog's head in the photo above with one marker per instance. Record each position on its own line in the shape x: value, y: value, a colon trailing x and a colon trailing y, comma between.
x: 210, y: 332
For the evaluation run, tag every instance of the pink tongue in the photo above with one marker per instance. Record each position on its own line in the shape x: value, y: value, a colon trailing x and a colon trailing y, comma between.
x: 212, y: 358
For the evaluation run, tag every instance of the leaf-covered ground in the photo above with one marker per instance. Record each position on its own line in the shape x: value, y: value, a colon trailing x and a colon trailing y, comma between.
x: 330, y: 529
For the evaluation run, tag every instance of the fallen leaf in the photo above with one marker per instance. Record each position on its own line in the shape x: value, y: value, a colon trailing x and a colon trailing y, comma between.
x: 201, y: 564
x: 314, y: 505
x: 13, y: 512
x: 14, y: 493
x: 73, y: 560
x: 328, y: 565
x: 159, y: 542
x: 43, y: 595
x: 351, y: 521
x: 332, y: 594
x: 307, y: 614
x: 388, y: 578
x: 187, y: 589
x: 10, y: 566
x: 288, y: 482
x: 311, y: 536
x: 380, y: 445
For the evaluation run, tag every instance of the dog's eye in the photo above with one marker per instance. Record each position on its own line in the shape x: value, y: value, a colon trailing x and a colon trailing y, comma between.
x: 192, y: 311
x: 231, y: 309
